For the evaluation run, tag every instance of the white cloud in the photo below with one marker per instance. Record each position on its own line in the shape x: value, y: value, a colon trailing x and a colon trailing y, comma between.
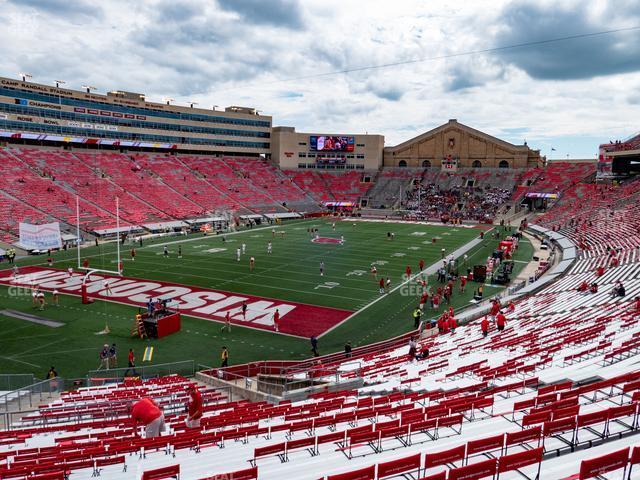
x: 239, y: 53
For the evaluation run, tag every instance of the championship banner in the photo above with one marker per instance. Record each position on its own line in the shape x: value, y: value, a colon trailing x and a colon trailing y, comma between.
x: 40, y: 237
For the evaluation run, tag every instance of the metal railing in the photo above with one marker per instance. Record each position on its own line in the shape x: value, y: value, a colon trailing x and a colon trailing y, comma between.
x: 31, y: 394
x: 99, y: 377
x: 13, y: 381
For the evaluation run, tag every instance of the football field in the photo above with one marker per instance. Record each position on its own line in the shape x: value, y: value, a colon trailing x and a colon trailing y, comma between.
x: 207, y: 281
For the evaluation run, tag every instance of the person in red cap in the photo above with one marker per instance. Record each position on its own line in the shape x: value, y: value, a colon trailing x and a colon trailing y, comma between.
x: 147, y: 412
x: 484, y: 325
x: 194, y: 408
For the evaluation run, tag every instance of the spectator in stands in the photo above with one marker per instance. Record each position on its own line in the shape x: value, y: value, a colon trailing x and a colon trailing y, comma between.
x: 618, y: 290
x: 224, y: 357
x: 147, y: 412
x: 501, y: 321
x: 452, y: 324
x: 194, y: 408
x: 347, y: 350
x: 412, y: 349
x: 423, y: 354
x: 593, y: 288
x: 484, y: 326
x: 584, y: 286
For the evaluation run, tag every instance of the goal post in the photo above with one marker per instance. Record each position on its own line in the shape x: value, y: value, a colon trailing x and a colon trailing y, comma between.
x: 91, y: 270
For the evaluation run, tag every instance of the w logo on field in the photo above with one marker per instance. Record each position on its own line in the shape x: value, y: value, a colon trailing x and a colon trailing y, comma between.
x: 327, y: 240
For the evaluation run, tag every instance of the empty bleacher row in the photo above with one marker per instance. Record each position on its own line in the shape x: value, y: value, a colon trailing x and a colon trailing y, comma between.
x: 40, y: 185
x: 552, y: 394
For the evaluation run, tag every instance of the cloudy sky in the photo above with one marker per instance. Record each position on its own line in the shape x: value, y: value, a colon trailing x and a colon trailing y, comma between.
x: 288, y: 59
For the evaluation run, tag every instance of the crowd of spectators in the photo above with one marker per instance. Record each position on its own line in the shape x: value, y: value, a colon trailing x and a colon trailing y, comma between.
x: 430, y: 202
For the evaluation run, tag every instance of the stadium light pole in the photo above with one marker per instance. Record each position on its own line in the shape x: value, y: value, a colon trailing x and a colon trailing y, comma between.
x: 191, y: 104
x: 59, y: 82
x: 214, y: 107
x: 168, y: 100
x: 25, y: 76
x: 89, y: 88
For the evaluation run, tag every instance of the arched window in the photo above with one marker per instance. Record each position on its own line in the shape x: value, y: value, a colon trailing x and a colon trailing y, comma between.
x: 426, y: 164
x: 402, y: 163
x: 476, y: 164
x: 503, y: 164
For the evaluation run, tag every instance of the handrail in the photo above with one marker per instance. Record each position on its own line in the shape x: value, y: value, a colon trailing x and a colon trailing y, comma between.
x: 20, y: 395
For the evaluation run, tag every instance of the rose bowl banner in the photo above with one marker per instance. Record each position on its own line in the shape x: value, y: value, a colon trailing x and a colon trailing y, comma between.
x: 40, y: 237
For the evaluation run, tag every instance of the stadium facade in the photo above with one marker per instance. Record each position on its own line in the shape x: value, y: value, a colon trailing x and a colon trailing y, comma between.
x: 454, y: 145
x: 291, y: 150
x: 41, y: 114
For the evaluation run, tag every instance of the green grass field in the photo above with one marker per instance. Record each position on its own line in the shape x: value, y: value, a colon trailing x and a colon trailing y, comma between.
x: 290, y: 273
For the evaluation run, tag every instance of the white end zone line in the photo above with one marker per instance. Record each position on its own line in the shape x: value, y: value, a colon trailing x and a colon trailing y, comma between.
x: 428, y: 271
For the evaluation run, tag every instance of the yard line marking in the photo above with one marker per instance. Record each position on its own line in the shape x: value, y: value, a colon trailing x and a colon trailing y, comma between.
x: 20, y: 361
x: 39, y: 347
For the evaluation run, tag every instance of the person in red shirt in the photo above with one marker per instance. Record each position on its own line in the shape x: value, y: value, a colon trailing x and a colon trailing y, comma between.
x: 512, y: 307
x: 584, y: 286
x: 423, y: 299
x: 440, y: 324
x: 276, y: 320
x: 445, y: 325
x: 599, y: 271
x: 501, y: 321
x: 194, y: 408
x: 436, y: 301
x: 421, y: 264
x: 593, y: 288
x: 382, y: 285
x: 484, y: 325
x: 453, y: 324
x: 133, y: 254
x: 407, y: 271
x: 85, y: 263
x: 147, y: 412
x: 637, y: 304
x: 495, y: 308
x: 463, y: 283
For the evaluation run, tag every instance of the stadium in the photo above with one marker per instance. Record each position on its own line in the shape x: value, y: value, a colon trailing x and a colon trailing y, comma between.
x: 224, y: 293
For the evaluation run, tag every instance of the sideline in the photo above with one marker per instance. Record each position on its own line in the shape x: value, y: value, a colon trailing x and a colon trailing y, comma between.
x: 427, y: 271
